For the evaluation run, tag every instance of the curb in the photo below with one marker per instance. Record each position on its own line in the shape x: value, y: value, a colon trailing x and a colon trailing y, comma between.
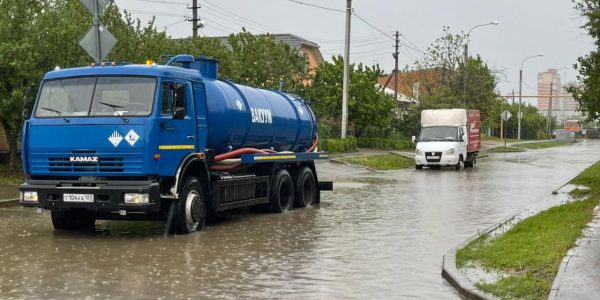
x: 457, y: 279
x: 9, y: 202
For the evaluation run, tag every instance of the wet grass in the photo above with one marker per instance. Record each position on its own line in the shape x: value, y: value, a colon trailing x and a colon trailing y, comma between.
x: 532, y: 250
x: 502, y: 149
x: 541, y: 145
x: 383, y: 162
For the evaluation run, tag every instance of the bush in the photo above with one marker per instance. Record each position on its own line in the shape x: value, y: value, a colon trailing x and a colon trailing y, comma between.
x: 386, y: 143
x: 338, y: 145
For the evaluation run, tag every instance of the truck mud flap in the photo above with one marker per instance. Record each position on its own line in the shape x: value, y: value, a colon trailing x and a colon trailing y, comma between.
x: 326, y: 185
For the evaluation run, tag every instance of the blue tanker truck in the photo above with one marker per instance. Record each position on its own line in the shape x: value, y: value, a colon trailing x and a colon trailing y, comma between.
x: 170, y: 142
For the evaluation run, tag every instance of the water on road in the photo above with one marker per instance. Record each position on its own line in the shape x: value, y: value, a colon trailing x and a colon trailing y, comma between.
x: 379, y: 235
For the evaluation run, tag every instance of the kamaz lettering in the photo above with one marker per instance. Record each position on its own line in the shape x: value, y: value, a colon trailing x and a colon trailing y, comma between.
x: 87, y: 159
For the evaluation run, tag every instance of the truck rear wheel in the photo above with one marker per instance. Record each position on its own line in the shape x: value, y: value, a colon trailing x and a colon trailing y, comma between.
x: 73, y: 220
x: 190, y: 213
x: 282, y: 192
x: 305, y: 187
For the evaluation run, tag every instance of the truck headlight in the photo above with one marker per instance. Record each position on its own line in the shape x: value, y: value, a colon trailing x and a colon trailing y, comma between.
x: 135, y: 198
x: 418, y: 152
x: 450, y: 151
x: 29, y: 196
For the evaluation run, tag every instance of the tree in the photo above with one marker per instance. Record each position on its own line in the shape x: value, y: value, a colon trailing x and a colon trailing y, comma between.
x: 369, y: 110
x: 453, y: 82
x: 39, y: 35
x: 260, y: 61
x: 587, y: 92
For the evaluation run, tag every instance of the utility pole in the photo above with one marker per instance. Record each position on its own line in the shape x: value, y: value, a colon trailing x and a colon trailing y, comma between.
x: 396, y: 66
x: 194, y: 18
x: 513, y: 98
x: 345, y: 86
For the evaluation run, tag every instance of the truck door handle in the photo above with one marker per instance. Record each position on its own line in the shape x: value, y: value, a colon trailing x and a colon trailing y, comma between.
x: 190, y: 137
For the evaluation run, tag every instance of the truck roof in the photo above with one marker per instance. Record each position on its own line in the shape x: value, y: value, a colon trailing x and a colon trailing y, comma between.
x: 127, y: 70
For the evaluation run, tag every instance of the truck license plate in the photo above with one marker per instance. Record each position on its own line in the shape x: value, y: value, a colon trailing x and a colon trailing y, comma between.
x: 78, y: 197
x: 433, y: 157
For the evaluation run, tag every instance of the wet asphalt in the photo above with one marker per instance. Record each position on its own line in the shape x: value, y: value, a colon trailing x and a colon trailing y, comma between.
x: 378, y: 235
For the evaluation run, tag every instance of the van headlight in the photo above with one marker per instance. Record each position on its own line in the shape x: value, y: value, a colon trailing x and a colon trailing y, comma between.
x: 418, y: 152
x: 450, y: 151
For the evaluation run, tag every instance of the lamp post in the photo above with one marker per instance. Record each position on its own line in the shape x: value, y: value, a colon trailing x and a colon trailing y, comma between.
x: 521, y: 91
x: 466, y: 54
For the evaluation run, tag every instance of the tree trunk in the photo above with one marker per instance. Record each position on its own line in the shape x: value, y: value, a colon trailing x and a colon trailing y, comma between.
x: 12, y: 137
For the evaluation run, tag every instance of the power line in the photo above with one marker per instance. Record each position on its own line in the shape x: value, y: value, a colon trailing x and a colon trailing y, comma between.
x: 318, y: 6
x: 168, y: 25
x: 227, y: 12
x: 372, y: 26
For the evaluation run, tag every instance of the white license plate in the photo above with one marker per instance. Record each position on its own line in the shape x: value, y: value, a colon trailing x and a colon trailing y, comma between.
x: 78, y: 197
x: 433, y: 157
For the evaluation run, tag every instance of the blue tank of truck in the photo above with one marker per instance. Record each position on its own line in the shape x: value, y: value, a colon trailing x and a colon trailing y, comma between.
x: 240, y: 116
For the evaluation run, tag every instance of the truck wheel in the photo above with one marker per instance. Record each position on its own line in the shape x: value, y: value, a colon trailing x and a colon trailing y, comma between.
x: 191, y: 208
x: 282, y: 192
x: 305, y: 187
x: 73, y: 220
x: 419, y: 167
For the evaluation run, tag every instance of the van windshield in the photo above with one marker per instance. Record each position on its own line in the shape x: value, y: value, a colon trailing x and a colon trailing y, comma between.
x: 439, y: 133
x: 96, y: 96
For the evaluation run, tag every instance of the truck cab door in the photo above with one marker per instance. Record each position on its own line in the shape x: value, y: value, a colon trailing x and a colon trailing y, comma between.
x: 177, y: 124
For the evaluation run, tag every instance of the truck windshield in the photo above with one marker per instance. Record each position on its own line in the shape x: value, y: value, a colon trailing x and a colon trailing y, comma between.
x: 96, y: 96
x: 439, y: 133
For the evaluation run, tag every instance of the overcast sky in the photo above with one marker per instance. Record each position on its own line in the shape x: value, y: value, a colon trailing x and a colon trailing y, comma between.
x: 527, y: 27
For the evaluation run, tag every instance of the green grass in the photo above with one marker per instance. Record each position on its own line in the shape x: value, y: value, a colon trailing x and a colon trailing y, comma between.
x: 384, y: 161
x: 541, y: 145
x: 532, y: 250
x: 501, y: 149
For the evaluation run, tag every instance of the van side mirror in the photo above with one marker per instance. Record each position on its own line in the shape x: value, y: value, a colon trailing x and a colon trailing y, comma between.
x: 179, y: 113
x: 463, y: 138
x: 414, y: 139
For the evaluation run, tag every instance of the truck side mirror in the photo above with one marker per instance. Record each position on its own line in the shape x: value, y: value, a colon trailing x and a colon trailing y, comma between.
x: 26, y: 103
x: 414, y: 139
x: 463, y: 138
x: 179, y: 113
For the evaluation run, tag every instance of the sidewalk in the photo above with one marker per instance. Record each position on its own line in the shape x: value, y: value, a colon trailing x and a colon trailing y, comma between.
x: 579, y: 274
x: 8, y: 195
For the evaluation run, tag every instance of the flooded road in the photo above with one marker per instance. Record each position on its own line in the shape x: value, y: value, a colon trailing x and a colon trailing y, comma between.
x: 379, y: 235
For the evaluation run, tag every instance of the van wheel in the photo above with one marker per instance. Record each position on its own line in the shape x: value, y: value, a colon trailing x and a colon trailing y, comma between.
x: 190, y: 212
x: 282, y: 192
x: 73, y: 220
x: 305, y: 187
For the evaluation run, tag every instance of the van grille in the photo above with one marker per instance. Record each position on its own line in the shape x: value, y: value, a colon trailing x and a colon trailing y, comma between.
x: 433, y: 156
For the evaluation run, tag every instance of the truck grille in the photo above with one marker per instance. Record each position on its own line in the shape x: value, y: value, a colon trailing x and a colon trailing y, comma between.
x: 88, y: 162
x: 433, y: 156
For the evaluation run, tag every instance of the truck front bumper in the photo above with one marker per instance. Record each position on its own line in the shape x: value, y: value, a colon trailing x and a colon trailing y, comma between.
x: 443, y: 160
x: 106, y: 196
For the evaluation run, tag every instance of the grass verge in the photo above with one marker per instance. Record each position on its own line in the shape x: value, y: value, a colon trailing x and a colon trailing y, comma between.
x: 531, y: 252
x: 383, y: 162
x: 502, y: 149
x: 8, y: 177
x: 541, y: 145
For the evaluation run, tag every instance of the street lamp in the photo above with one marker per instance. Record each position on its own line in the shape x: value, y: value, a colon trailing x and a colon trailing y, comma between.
x: 521, y: 89
x: 467, y: 56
